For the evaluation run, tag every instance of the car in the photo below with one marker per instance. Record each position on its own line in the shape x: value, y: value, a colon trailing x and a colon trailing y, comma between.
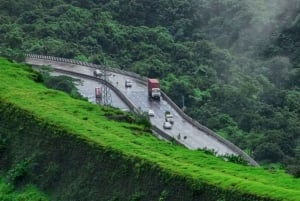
x: 151, y: 113
x: 128, y: 83
x: 167, y: 125
x: 169, y: 118
x: 98, y: 73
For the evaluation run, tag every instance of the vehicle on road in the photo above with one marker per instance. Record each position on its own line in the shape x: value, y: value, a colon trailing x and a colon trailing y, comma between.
x: 98, y: 73
x: 167, y: 125
x: 153, y: 89
x: 169, y: 117
x: 98, y: 92
x: 128, y: 83
x: 151, y: 113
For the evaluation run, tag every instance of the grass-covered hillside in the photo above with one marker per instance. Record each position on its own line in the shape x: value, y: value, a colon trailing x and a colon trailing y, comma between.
x: 69, y: 147
x: 234, y: 62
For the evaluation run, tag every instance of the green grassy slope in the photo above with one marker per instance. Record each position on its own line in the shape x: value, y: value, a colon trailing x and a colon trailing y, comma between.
x: 30, y: 193
x: 87, y: 121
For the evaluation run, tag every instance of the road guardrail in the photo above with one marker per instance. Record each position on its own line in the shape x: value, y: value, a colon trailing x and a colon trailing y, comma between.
x: 143, y: 80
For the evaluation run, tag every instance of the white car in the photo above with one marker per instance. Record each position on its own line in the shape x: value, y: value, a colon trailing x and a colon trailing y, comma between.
x: 169, y: 118
x: 151, y: 113
x: 128, y: 83
x: 98, y: 73
x: 167, y: 125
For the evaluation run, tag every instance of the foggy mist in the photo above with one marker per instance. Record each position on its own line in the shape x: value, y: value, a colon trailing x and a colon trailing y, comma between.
x: 268, y: 18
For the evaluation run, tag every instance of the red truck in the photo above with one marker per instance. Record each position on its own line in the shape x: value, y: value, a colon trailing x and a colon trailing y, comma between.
x: 153, y: 89
x: 98, y: 92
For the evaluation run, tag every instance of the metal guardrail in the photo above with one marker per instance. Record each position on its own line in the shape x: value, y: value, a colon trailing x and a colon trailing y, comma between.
x: 110, y: 85
x: 210, y: 132
x: 143, y: 80
x: 131, y: 105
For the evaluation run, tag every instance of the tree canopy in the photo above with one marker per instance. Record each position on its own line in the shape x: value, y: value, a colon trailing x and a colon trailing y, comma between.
x: 235, y: 62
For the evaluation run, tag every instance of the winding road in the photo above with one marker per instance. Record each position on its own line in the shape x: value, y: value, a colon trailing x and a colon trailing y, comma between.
x: 191, y: 136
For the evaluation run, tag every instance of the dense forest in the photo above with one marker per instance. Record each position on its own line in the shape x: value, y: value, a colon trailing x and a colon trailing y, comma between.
x: 234, y: 62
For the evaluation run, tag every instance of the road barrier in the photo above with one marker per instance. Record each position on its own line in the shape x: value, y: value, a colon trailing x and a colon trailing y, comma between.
x: 143, y: 80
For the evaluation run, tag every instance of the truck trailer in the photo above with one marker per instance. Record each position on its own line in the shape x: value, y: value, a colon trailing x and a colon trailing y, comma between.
x: 98, y: 92
x: 153, y: 89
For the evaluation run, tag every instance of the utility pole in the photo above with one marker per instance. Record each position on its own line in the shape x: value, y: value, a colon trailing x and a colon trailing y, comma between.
x: 106, y: 100
x: 183, y: 106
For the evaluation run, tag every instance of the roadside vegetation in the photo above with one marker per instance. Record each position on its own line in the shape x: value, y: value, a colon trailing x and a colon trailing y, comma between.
x: 28, y: 193
x: 234, y: 63
x: 61, y: 82
x: 89, y: 122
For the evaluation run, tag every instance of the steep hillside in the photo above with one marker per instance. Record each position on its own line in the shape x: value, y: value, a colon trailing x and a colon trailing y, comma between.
x: 232, y: 63
x: 72, y: 151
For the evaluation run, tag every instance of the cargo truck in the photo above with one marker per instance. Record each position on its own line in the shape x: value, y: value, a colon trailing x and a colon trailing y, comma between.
x: 98, y: 92
x: 153, y: 89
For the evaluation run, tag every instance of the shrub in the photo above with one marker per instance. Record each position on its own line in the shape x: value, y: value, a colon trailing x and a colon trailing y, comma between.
x: 19, y: 172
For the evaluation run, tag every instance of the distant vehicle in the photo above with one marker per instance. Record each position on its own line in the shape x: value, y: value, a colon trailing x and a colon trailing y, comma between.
x: 98, y: 73
x: 167, y: 125
x: 128, y: 83
x: 169, y: 117
x: 151, y: 113
x: 153, y: 89
x: 98, y: 92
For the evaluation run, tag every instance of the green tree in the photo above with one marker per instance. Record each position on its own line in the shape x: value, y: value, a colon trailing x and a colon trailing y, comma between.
x: 269, y: 152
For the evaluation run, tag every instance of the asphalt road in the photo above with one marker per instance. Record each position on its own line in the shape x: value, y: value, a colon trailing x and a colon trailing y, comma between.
x: 137, y: 94
x: 87, y: 89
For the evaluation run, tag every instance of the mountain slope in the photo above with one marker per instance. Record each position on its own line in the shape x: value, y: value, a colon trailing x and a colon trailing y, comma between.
x: 233, y: 62
x: 72, y: 150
